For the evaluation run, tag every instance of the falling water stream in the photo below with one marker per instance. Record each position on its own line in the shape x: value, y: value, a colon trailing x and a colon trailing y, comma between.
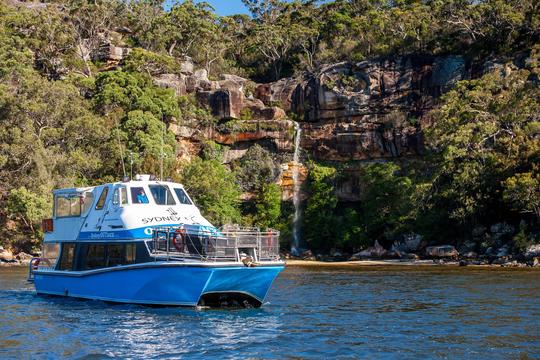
x: 296, y: 189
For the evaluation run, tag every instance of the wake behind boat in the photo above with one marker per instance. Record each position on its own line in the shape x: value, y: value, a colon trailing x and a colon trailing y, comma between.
x: 145, y: 242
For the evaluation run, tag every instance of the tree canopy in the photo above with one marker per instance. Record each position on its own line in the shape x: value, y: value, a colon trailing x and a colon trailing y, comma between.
x: 70, y: 118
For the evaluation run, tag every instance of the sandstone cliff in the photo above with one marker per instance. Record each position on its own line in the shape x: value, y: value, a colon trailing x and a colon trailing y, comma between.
x: 348, y: 112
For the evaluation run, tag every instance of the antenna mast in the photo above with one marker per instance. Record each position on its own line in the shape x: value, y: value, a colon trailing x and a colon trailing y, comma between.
x: 162, y: 154
x: 131, y: 165
x: 121, y: 153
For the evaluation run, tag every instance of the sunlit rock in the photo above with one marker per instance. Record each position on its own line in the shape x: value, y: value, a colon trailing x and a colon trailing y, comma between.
x: 441, y: 251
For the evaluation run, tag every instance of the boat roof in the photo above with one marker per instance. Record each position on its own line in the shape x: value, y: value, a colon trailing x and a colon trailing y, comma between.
x: 139, y: 180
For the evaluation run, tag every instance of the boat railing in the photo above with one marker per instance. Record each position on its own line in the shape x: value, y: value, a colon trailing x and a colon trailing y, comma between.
x: 235, y: 244
x: 37, y: 263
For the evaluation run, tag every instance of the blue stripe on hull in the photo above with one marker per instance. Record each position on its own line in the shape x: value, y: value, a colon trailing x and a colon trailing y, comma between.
x: 145, y: 232
x: 170, y: 285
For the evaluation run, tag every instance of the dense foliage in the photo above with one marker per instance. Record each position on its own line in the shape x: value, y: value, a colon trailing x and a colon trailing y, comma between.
x: 483, y: 168
x: 68, y: 118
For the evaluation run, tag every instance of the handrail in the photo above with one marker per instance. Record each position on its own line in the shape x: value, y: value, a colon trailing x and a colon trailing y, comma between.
x: 227, y: 245
x: 33, y: 265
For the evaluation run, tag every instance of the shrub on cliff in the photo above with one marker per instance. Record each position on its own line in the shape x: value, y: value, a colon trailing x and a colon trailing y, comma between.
x: 144, y: 61
x: 382, y: 214
x: 255, y: 169
x: 127, y: 91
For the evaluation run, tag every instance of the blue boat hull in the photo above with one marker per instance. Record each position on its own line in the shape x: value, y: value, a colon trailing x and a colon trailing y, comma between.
x: 159, y: 283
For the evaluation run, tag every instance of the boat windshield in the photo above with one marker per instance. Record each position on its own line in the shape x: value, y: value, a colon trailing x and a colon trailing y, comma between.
x: 182, y: 196
x: 162, y: 195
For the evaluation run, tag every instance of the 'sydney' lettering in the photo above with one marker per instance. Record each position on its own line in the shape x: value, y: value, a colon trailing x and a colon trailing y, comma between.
x: 157, y: 219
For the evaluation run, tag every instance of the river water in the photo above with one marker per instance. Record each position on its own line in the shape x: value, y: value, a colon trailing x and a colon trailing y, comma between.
x: 375, y: 312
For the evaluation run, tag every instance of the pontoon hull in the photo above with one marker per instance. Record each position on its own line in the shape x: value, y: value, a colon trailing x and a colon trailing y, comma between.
x: 160, y: 283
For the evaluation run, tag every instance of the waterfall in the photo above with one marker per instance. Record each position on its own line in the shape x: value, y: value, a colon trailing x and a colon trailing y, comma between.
x: 296, y: 189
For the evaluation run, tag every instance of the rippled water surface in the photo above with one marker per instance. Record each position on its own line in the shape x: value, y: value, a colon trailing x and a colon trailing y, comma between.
x: 382, y: 313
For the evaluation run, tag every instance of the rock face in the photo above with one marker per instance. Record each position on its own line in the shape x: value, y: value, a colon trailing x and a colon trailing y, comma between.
x: 366, y: 110
x: 442, y: 251
x: 177, y: 82
x: 532, y: 251
x: 409, y: 243
x: 226, y: 104
x: 356, y: 112
x: 110, y: 53
x: 503, y: 251
x: 8, y: 258
x: 349, y: 111
x: 376, y: 251
x: 501, y: 232
x: 350, y: 91
x: 6, y: 255
x: 24, y: 258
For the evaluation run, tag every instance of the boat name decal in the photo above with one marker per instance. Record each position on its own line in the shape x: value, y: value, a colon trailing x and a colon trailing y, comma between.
x: 102, y: 235
x: 157, y: 219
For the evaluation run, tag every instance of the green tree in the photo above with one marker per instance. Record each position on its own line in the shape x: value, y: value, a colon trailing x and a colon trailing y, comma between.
x: 148, y: 143
x: 14, y: 50
x: 523, y: 192
x: 385, y: 202
x: 186, y: 26
x: 91, y: 21
x: 144, y: 18
x: 127, y: 91
x: 268, y: 206
x: 144, y: 61
x: 214, y: 189
x: 481, y: 139
x: 274, y: 34
x: 256, y: 168
x: 50, y: 136
x: 29, y: 207
x: 318, y: 221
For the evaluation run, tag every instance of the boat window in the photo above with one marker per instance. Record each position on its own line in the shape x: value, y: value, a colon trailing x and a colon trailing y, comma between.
x: 50, y: 253
x: 131, y: 253
x: 66, y: 259
x: 162, y: 195
x: 182, y: 196
x: 120, y: 196
x: 87, y: 201
x: 116, y: 197
x: 115, y: 255
x: 124, y: 197
x: 138, y: 195
x: 95, y: 256
x: 68, y: 205
x: 101, y: 201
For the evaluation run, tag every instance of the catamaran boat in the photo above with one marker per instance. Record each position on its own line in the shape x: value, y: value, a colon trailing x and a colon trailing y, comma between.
x: 144, y: 241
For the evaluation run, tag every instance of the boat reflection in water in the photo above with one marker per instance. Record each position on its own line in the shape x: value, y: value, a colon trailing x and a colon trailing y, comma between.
x: 145, y: 242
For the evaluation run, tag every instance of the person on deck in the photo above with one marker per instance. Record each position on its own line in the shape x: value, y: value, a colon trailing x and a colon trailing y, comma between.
x: 142, y: 198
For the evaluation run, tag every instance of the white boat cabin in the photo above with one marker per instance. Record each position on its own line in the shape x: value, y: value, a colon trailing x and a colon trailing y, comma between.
x: 126, y: 210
